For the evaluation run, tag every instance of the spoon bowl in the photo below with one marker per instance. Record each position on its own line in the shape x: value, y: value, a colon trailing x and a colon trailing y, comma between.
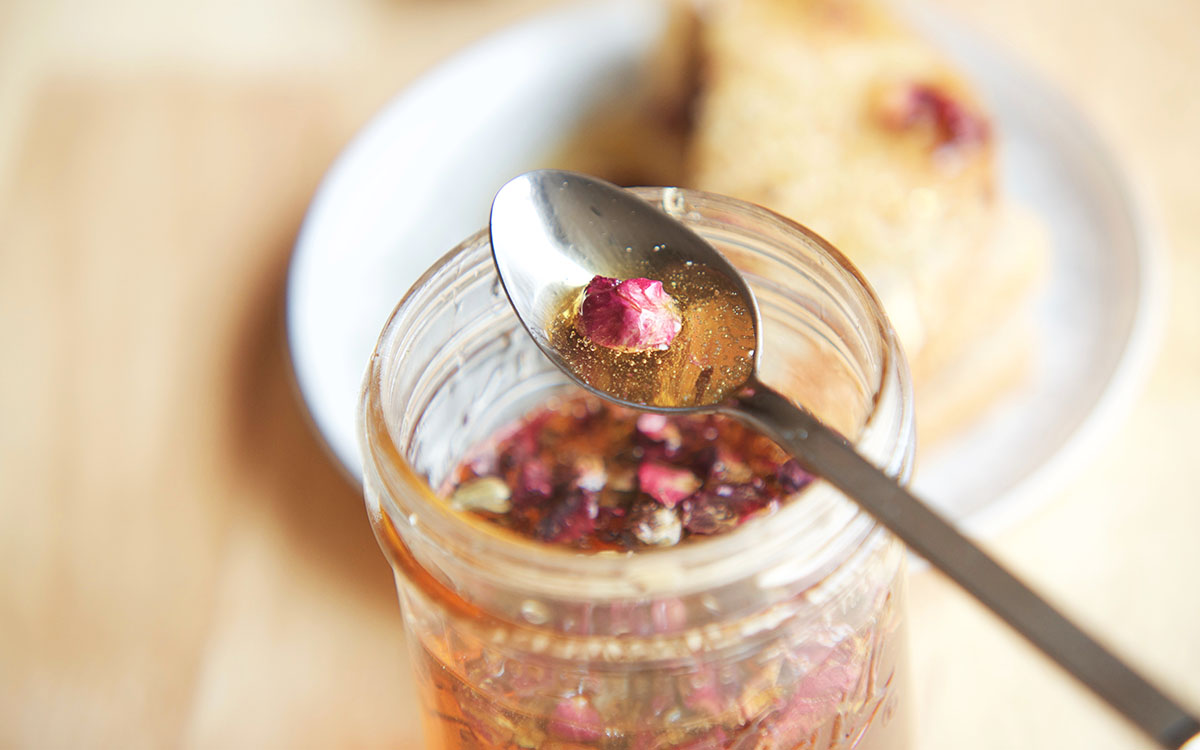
x: 553, y: 231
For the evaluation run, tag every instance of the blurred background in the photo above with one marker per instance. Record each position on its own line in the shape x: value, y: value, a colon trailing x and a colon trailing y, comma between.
x: 182, y: 565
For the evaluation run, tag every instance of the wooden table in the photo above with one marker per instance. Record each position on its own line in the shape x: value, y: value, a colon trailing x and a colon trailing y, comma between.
x: 182, y: 565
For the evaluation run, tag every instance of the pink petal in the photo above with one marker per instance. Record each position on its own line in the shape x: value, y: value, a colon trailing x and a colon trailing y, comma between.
x: 666, y: 484
x: 652, y: 426
x: 634, y: 314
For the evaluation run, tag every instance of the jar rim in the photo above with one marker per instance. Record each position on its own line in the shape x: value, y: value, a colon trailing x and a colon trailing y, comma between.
x: 616, y: 575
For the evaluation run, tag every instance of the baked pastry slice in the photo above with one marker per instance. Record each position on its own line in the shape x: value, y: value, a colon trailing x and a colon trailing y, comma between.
x: 836, y: 115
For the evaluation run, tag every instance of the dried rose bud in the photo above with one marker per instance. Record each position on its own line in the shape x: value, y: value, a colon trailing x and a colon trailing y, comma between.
x: 572, y: 519
x: 575, y: 720
x: 635, y: 314
x: 743, y: 500
x: 534, y: 484
x: 521, y: 445
x: 791, y: 477
x: 666, y: 484
x: 708, y: 513
x: 656, y: 526
x: 725, y: 466
x: 489, y: 494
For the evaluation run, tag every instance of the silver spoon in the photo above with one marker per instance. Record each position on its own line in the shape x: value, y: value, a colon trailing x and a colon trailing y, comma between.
x: 552, y: 231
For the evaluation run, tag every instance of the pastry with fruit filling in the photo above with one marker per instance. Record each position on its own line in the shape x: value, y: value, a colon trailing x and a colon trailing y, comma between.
x: 834, y: 113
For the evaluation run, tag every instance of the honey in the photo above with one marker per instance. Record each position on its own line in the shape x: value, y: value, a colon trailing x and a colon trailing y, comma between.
x: 710, y: 358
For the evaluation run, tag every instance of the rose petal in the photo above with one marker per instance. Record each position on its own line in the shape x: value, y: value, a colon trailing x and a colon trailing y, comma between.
x: 666, y: 484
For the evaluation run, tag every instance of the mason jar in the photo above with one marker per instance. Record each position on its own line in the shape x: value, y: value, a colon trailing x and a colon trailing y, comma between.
x: 785, y: 632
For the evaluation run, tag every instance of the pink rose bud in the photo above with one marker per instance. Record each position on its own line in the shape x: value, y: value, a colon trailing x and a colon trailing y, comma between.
x: 636, y: 314
x: 666, y: 484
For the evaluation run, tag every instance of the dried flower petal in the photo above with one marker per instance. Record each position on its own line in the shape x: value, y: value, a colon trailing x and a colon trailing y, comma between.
x: 635, y: 314
x: 666, y: 484
x: 817, y: 694
x: 574, y: 719
x: 708, y: 513
x: 591, y: 476
x: 521, y: 444
x: 483, y: 463
x: 724, y: 465
x: 760, y: 692
x: 572, y: 519
x: 659, y: 437
x: 835, y: 674
x: 480, y: 716
x: 652, y: 425
x: 792, y: 477
x: 702, y: 692
x: 534, y: 484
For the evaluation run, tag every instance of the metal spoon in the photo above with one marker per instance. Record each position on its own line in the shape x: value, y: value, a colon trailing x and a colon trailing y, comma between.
x: 552, y: 231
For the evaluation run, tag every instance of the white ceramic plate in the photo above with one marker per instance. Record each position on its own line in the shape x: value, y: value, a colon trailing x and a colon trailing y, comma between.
x: 420, y: 177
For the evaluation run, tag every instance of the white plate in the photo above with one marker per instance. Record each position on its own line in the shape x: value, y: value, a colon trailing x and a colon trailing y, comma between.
x: 420, y: 177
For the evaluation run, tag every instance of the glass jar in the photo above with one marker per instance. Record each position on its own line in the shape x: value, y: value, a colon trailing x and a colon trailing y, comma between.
x: 786, y: 632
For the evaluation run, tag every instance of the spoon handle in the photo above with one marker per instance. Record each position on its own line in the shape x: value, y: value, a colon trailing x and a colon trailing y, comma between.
x: 826, y: 454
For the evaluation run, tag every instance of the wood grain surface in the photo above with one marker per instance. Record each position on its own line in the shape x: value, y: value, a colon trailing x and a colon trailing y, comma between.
x: 181, y: 564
